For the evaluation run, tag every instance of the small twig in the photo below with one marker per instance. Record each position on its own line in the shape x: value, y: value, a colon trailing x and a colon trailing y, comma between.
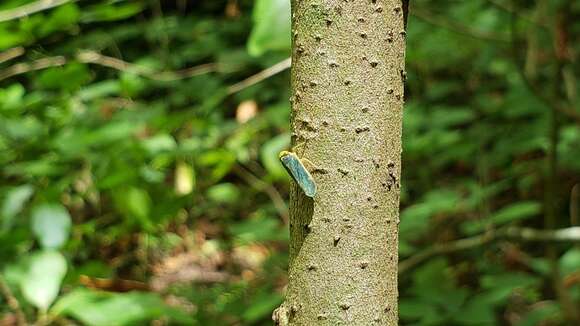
x: 262, y: 75
x: 11, y: 54
x: 571, y: 234
x: 30, y: 8
x: 12, y: 302
x: 260, y: 185
x: 91, y: 57
x: 22, y: 68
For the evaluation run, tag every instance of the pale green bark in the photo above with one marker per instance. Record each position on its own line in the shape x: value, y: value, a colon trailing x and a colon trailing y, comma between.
x: 347, y: 82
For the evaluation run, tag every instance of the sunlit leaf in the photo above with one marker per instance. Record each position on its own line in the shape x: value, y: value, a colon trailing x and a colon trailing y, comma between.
x: 13, y: 203
x: 41, y: 283
x: 51, y: 224
x: 184, y: 178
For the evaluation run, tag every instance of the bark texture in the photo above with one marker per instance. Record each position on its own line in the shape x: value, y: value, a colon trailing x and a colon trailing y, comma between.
x: 347, y: 82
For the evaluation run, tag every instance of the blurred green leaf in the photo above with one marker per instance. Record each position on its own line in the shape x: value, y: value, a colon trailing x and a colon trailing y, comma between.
x: 477, y: 311
x: 224, y: 193
x: 159, y: 143
x: 415, y: 218
x: 13, y: 203
x: 139, y: 205
x: 570, y: 261
x: 69, y: 77
x: 104, y: 309
x: 11, y: 97
x: 514, y: 212
x: 547, y: 311
x: 271, y: 30
x: 269, y: 155
x: 51, y: 224
x: 415, y: 310
x: 262, y: 306
x: 111, y: 11
x: 41, y: 283
x: 61, y: 18
x: 259, y: 229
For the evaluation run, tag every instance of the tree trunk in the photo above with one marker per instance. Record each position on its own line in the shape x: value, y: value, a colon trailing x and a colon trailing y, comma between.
x: 347, y: 84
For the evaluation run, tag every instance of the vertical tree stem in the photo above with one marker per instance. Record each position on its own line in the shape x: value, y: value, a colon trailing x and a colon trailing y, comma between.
x: 347, y: 83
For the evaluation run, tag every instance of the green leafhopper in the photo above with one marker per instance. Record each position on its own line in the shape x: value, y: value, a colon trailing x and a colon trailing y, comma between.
x: 298, y: 172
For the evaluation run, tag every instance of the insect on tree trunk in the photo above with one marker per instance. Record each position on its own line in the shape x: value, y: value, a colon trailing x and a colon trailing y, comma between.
x: 347, y: 99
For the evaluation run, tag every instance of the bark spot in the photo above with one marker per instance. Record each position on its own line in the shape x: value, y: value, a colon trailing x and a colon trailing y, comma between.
x: 347, y: 81
x: 300, y: 49
x: 374, y: 64
x: 403, y: 75
x: 365, y: 109
x: 311, y: 267
x: 293, y: 308
x: 343, y: 171
x: 320, y: 171
x: 390, y: 91
x: 297, y: 96
x: 390, y: 37
x: 363, y: 35
x: 358, y: 130
x: 392, y: 177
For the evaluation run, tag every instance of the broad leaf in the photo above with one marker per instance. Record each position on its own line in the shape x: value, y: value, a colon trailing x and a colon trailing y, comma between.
x: 41, y: 283
x: 51, y: 224
x: 13, y: 204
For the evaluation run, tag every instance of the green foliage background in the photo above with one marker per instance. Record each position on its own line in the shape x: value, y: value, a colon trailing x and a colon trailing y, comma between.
x: 136, y: 190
